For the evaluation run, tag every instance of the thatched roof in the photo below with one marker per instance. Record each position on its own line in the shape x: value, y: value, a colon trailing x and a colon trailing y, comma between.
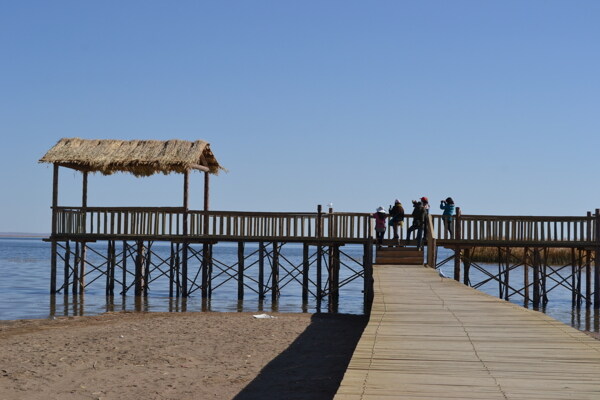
x: 139, y: 157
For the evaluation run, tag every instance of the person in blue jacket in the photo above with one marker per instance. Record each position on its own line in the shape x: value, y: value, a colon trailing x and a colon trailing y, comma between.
x: 448, y: 215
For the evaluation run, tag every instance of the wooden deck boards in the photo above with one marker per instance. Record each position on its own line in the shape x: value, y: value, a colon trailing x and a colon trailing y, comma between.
x: 434, y: 338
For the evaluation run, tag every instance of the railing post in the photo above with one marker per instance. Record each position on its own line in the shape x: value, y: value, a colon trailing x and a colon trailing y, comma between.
x: 319, y: 227
x: 431, y: 242
x: 458, y: 226
x: 331, y: 225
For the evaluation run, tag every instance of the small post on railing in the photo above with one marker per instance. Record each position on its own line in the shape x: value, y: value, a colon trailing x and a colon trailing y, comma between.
x: 319, y: 222
x: 597, y: 262
x: 458, y: 226
x: 331, y: 227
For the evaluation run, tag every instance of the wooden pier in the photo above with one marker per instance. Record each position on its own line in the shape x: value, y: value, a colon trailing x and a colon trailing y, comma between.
x: 123, y: 239
x: 433, y: 338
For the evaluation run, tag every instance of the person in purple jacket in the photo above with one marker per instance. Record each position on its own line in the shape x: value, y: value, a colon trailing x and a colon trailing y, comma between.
x: 380, y: 224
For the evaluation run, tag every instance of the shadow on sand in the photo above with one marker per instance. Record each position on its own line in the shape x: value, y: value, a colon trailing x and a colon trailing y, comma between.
x: 314, y: 364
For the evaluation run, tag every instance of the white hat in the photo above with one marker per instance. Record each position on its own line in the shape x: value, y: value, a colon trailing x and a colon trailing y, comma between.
x: 397, y: 201
x: 381, y: 209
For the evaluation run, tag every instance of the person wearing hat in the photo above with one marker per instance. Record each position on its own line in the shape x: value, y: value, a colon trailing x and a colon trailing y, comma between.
x: 418, y: 223
x: 448, y: 214
x: 380, y: 222
x: 397, y: 217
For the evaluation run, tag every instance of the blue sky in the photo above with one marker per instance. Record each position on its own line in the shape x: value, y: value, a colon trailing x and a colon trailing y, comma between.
x: 494, y: 103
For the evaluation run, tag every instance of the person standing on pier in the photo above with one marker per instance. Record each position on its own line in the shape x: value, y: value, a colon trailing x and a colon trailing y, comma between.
x: 448, y: 214
x: 418, y: 223
x: 397, y: 217
x: 380, y: 225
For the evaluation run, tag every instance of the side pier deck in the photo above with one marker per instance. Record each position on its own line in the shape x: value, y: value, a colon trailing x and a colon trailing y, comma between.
x: 433, y: 338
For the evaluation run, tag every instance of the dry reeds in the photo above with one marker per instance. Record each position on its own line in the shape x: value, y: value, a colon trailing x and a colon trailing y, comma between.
x: 556, y: 256
x: 139, y: 157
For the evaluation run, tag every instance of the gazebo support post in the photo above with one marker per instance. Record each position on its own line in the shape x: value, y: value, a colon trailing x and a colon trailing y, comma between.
x: 53, y: 261
x: 184, y: 261
x: 84, y: 204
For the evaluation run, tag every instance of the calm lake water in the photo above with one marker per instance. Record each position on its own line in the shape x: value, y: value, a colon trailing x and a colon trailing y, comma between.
x: 25, y: 276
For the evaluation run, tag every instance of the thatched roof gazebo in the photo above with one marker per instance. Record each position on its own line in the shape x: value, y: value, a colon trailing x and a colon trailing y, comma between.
x: 138, y: 157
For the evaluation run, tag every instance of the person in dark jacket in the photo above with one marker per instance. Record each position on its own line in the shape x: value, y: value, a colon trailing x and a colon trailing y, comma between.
x: 397, y: 217
x: 418, y: 223
x: 448, y: 214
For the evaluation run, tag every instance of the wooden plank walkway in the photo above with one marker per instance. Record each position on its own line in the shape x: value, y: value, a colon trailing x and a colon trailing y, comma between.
x: 433, y: 338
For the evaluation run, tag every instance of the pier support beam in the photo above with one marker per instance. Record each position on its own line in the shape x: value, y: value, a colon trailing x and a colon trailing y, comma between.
x: 467, y: 266
x: 305, y: 272
x: 275, y: 274
x: 261, y: 271
x: 368, y: 275
x: 240, y: 277
x: 457, y: 264
x: 597, y: 261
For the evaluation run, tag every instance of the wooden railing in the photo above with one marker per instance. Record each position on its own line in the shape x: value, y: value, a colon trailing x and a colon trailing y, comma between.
x: 171, y: 221
x: 175, y: 221
x: 524, y: 228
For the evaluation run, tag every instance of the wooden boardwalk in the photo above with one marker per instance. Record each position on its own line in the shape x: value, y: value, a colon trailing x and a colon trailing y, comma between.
x: 434, y: 338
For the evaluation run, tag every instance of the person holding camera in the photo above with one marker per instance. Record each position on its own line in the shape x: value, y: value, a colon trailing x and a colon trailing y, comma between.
x: 448, y: 215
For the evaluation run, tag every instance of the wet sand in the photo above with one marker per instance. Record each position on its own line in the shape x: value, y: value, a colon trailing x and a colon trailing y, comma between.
x: 177, y: 356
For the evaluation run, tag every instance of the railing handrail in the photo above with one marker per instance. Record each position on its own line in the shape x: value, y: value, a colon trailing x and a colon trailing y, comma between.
x: 157, y: 221
x: 544, y: 218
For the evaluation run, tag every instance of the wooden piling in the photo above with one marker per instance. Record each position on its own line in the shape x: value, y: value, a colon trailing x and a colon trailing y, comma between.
x: 457, y: 264
x: 500, y: 274
x: 205, y: 258
x: 82, y: 261
x: 139, y: 266
x: 305, y: 272
x: 109, y: 267
x: 275, y: 274
x: 147, y: 265
x: 597, y: 260
x: 588, y: 278
x: 507, y: 274
x: 76, y: 271
x: 67, y: 268
x: 319, y: 272
x: 467, y: 266
x: 124, y: 270
x: 172, y: 271
x: 210, y: 269
x: 579, y: 268
x: 536, y: 277
x: 334, y: 267
x: 573, y: 278
x: 368, y: 275
x: 177, y: 270
x: 526, y: 275
x: 261, y: 270
x: 240, y: 275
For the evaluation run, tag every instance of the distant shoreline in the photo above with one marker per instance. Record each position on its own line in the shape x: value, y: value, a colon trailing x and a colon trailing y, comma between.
x: 19, y: 235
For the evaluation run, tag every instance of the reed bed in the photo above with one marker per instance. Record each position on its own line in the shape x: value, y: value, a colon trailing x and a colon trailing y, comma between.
x: 556, y: 256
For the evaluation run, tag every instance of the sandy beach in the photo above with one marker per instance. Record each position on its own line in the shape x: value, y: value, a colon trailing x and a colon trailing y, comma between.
x: 177, y: 356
